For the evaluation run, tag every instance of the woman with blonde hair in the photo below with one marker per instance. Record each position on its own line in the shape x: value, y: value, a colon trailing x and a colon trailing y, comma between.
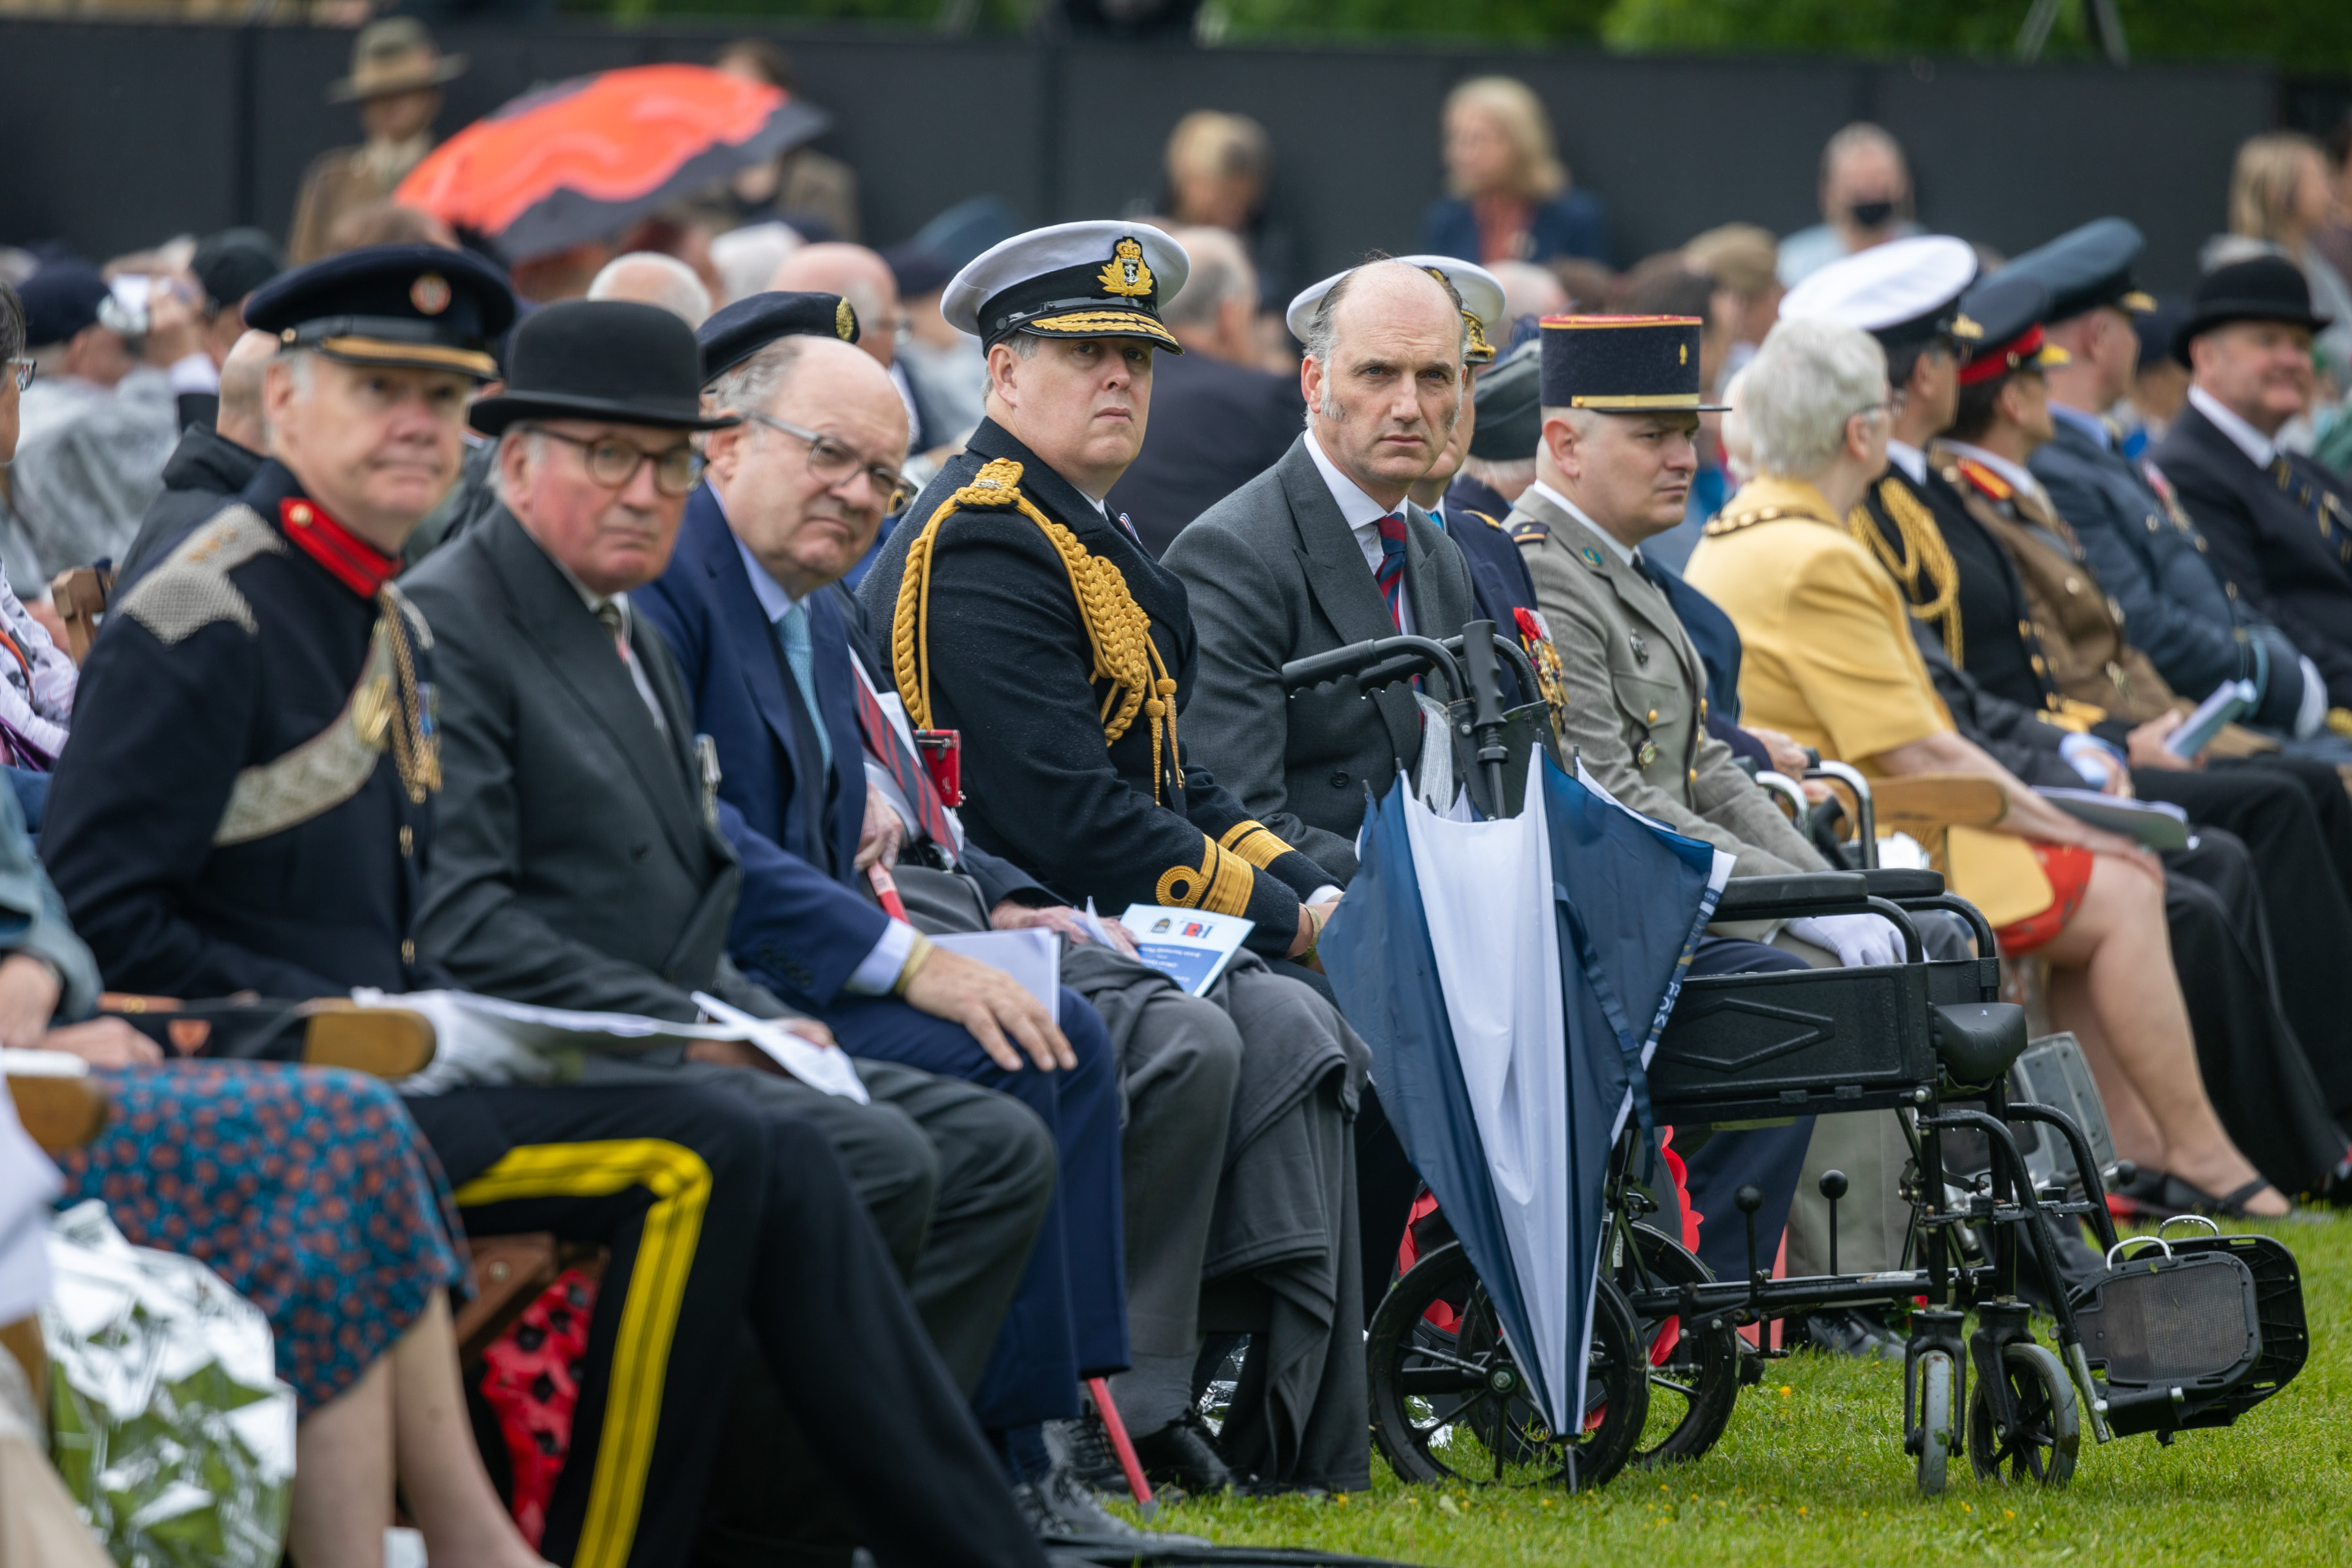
x: 1509, y: 196
x: 2282, y: 196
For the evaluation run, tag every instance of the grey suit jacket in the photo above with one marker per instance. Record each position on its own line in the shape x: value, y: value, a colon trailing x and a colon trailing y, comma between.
x: 1274, y: 574
x: 574, y: 862
x: 1634, y: 680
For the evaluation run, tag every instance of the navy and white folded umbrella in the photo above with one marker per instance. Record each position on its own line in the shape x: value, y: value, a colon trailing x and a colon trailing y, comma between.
x: 1511, y: 977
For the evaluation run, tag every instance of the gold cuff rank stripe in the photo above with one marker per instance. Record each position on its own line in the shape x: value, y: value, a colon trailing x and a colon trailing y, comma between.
x: 1253, y: 842
x: 1221, y: 883
x: 1116, y: 628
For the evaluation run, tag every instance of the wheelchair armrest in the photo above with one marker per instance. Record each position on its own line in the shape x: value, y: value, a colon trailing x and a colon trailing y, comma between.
x: 1930, y: 802
x: 1900, y: 882
x: 1792, y: 898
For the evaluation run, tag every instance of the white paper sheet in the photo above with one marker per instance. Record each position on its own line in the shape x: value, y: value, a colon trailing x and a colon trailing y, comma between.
x: 1033, y: 956
x: 819, y: 1067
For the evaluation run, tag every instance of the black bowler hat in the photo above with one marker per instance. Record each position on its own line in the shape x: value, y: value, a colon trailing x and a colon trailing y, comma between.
x: 2086, y: 268
x: 1510, y: 408
x: 1623, y: 364
x: 741, y: 330
x: 234, y: 263
x: 2010, y: 309
x: 416, y: 306
x: 602, y: 359
x: 2267, y: 288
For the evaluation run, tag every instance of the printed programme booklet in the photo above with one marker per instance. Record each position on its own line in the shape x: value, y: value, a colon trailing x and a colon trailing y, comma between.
x: 1190, y: 946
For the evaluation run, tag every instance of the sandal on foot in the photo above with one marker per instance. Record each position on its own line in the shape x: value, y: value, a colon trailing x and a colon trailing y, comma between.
x: 2183, y: 1197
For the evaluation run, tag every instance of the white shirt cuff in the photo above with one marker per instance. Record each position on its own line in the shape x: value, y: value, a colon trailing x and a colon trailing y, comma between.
x: 194, y: 372
x: 2312, y: 711
x: 1326, y: 891
x: 879, y: 971
x: 2076, y: 748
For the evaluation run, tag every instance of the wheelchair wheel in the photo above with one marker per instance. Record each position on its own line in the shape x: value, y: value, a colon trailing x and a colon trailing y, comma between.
x: 1694, y: 1370
x: 2050, y: 1432
x: 1938, y: 1435
x: 1454, y: 1405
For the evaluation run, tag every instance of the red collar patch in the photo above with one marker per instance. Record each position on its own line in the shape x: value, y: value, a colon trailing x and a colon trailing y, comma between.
x: 1985, y: 479
x: 356, y: 564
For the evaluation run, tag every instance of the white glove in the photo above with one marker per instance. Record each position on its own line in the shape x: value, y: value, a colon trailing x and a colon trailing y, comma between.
x: 1857, y: 940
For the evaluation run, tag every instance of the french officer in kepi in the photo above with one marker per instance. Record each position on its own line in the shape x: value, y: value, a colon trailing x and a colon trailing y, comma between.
x: 1621, y: 406
x: 1016, y: 609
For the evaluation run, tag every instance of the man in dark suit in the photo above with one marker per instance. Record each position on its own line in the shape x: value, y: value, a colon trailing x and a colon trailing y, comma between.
x: 1217, y: 420
x: 2279, y: 525
x: 2193, y: 625
x: 1022, y: 613
x: 585, y: 860
x: 270, y: 829
x: 800, y: 731
x: 1323, y: 550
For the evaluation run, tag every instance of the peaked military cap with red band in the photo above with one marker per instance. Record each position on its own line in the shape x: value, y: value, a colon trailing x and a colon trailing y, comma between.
x: 1623, y: 364
x: 2009, y: 309
x: 416, y: 307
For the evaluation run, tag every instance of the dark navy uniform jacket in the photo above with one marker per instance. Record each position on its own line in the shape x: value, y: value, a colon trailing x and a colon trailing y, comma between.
x: 232, y: 651
x: 1011, y: 667
x: 2283, y: 534
x: 2195, y: 627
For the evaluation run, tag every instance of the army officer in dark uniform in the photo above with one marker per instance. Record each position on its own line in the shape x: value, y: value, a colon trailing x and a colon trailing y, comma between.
x: 1015, y: 608
x: 246, y: 804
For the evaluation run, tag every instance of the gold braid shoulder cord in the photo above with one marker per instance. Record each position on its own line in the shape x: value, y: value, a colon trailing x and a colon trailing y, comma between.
x: 1924, y: 553
x: 415, y: 744
x: 1124, y: 654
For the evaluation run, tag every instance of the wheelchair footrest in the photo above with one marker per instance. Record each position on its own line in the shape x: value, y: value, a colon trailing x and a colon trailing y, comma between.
x: 2194, y: 1337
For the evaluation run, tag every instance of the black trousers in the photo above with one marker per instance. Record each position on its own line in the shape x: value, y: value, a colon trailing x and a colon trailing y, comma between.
x: 721, y: 1213
x: 2254, y: 1069
x: 2295, y: 822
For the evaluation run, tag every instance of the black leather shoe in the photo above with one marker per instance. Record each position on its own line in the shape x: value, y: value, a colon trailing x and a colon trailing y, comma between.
x: 1184, y: 1454
x: 1083, y: 1446
x: 1061, y: 1508
x: 1845, y: 1330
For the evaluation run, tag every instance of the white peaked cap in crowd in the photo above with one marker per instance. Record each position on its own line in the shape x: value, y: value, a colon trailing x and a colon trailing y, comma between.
x: 1481, y: 291
x: 1071, y: 280
x: 1885, y: 286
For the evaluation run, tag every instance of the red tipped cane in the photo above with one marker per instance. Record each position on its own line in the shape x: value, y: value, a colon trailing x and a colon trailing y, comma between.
x: 885, y: 888
x: 1120, y: 1444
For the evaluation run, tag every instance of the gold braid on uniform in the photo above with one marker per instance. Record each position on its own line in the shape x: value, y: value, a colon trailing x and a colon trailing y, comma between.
x: 1924, y: 554
x: 1116, y: 628
x: 415, y: 748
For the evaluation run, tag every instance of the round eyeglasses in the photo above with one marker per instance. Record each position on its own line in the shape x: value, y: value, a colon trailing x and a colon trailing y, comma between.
x: 612, y: 462
x: 832, y: 462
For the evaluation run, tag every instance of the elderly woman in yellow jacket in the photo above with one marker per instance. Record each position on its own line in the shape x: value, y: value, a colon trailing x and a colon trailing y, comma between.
x: 1830, y: 660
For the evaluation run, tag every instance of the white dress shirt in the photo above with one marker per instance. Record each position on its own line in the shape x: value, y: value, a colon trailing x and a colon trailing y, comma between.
x: 2259, y: 448
x: 1364, y: 516
x: 1909, y: 458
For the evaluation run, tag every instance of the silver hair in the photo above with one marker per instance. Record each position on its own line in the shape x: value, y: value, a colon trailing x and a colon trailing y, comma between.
x: 1500, y: 473
x: 1322, y: 327
x: 751, y: 386
x: 1220, y: 271
x: 661, y: 280
x: 1025, y: 346
x: 534, y: 445
x: 1807, y: 381
x: 302, y: 365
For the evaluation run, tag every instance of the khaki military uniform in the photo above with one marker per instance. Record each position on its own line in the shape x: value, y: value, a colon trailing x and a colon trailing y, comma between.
x: 1635, y: 707
x: 342, y: 181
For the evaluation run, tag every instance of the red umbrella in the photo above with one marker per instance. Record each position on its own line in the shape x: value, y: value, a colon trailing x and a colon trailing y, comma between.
x: 583, y: 160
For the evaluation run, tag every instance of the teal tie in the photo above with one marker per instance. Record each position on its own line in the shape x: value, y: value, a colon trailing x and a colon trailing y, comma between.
x: 793, y: 628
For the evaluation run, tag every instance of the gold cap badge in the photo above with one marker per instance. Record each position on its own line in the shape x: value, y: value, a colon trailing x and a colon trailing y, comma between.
x: 429, y: 293
x: 1125, y: 274
x: 1964, y: 328
x: 845, y: 321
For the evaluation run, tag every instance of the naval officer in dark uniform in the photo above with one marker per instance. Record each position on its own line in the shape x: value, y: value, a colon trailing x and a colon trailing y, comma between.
x: 1015, y: 608
x: 246, y: 804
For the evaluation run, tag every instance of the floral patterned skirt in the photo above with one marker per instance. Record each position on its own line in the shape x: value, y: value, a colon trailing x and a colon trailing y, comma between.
x: 308, y: 1189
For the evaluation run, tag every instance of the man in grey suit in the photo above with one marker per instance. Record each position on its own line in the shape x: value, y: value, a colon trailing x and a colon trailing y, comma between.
x: 1323, y: 550
x: 580, y: 862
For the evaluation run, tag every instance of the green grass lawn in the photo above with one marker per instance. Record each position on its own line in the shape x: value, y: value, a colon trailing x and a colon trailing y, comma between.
x: 1813, y: 1472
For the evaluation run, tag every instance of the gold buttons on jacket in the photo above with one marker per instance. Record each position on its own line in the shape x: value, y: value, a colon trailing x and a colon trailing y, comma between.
x: 407, y: 840
x: 407, y: 952
x: 2074, y: 584
x: 1654, y: 715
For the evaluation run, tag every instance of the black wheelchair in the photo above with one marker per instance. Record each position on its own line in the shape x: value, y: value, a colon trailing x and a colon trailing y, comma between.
x: 2176, y: 1332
